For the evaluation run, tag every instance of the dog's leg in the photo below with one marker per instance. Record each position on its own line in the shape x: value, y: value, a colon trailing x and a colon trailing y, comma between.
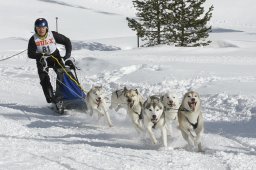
x: 118, y: 108
x: 200, y: 147
x: 152, y: 136
x: 186, y: 136
x: 108, y: 119
x: 198, y: 142
x: 191, y: 139
x: 164, y: 135
x: 90, y: 110
x: 138, y: 123
x: 113, y: 105
x: 99, y: 111
x: 141, y: 124
x: 169, y: 129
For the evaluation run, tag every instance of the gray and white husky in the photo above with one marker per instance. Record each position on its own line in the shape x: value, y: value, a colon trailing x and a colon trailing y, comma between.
x: 190, y: 119
x: 134, y: 108
x: 171, y: 105
x: 96, y: 103
x: 153, y: 111
x: 118, y: 99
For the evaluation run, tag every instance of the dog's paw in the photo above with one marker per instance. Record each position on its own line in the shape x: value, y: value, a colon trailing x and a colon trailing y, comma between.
x: 155, y: 142
x: 201, y: 151
x: 100, y: 115
x: 110, y: 125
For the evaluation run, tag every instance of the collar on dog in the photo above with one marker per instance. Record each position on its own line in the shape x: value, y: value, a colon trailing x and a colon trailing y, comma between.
x: 98, y: 103
x: 168, y: 109
x: 184, y: 109
x: 194, y: 125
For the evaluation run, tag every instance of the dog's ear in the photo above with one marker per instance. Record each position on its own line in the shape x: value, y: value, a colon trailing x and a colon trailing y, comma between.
x: 162, y: 98
x: 148, y: 99
x: 125, y: 91
x: 136, y: 90
x: 198, y: 95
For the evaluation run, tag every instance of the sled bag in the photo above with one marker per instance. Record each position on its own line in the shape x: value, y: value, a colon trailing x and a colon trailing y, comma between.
x: 70, y: 90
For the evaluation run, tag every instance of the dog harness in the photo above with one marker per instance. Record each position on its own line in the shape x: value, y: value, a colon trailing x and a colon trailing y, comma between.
x: 140, y: 114
x: 192, y: 124
x: 186, y: 110
x: 183, y: 109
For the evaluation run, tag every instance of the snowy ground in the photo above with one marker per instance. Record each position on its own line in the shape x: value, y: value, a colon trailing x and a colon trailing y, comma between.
x: 33, y: 136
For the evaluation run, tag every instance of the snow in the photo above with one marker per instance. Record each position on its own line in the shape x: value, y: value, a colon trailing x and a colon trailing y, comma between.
x: 33, y: 136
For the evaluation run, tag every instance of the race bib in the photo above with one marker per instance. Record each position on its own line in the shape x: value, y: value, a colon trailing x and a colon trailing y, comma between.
x: 46, y: 45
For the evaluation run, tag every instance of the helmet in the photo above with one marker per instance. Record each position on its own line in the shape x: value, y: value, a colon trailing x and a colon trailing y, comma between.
x: 41, y: 22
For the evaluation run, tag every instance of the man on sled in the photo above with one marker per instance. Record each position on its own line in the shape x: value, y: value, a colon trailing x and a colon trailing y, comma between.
x: 42, y: 47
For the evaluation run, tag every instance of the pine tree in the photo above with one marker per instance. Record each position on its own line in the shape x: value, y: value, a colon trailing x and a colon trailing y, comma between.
x: 188, y: 23
x: 151, y: 20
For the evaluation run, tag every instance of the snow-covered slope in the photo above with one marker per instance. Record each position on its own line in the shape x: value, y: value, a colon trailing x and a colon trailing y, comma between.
x: 33, y: 136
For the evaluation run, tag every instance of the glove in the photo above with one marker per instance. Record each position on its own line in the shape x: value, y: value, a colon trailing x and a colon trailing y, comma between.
x: 69, y: 62
x: 45, y: 61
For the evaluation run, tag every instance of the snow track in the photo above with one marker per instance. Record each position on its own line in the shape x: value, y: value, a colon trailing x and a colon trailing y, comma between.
x: 34, y: 135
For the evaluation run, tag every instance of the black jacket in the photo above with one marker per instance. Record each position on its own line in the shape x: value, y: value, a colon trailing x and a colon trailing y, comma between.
x: 59, y: 38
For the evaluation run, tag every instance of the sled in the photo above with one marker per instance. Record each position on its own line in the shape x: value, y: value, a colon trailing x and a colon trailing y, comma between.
x: 69, y: 93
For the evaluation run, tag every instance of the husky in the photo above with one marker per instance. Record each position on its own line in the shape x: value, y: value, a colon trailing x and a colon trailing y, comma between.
x: 171, y: 105
x: 190, y: 118
x: 96, y: 103
x: 134, y: 108
x: 153, y: 111
x: 118, y: 99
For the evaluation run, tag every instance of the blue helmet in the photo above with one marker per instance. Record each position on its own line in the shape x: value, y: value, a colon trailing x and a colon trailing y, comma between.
x: 41, y: 22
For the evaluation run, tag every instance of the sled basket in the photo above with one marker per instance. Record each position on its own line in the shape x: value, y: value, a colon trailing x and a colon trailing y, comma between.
x: 68, y: 90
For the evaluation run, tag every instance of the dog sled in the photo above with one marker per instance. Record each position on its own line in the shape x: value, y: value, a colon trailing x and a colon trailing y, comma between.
x: 69, y: 94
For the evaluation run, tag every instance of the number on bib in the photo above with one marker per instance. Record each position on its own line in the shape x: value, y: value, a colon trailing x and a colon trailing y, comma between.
x: 46, y: 49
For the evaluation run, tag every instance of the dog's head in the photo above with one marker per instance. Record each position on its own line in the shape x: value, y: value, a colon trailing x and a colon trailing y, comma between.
x: 170, y: 100
x: 153, y: 108
x: 191, y: 101
x: 132, y: 97
x: 96, y: 93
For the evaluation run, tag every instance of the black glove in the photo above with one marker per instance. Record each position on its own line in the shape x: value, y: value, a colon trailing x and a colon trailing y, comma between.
x: 69, y: 62
x: 46, y: 61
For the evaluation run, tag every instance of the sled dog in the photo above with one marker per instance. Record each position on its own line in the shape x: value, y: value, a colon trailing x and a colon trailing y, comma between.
x: 171, y: 105
x: 134, y: 108
x: 118, y: 99
x: 153, y: 111
x: 190, y: 118
x: 96, y: 103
